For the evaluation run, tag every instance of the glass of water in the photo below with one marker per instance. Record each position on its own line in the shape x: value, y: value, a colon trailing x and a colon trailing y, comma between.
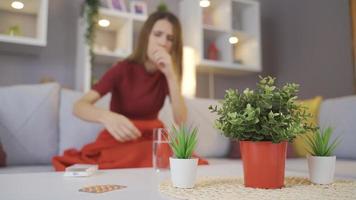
x: 161, y: 149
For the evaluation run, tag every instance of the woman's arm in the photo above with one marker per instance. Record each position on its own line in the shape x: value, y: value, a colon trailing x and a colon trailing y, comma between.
x: 119, y: 126
x: 164, y: 63
x: 178, y: 104
x: 84, y: 108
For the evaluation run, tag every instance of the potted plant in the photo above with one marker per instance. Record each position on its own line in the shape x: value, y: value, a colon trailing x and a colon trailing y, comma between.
x: 183, y: 167
x: 264, y: 121
x: 321, y: 161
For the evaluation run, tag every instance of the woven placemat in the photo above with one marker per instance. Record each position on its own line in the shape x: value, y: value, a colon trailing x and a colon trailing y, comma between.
x: 208, y: 188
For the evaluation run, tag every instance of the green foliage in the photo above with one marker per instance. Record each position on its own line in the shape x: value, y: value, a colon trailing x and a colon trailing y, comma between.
x: 91, y: 10
x: 319, y: 142
x: 268, y: 113
x: 162, y: 7
x: 183, y: 141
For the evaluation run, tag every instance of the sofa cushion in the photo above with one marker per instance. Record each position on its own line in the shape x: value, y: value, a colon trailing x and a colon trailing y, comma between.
x: 29, y: 123
x: 210, y: 142
x: 74, y: 132
x: 312, y: 106
x: 340, y: 114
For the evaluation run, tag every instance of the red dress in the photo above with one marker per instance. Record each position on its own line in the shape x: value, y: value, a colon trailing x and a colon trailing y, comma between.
x: 136, y: 94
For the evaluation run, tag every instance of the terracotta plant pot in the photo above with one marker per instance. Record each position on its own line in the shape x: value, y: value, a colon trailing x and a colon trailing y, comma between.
x: 263, y: 164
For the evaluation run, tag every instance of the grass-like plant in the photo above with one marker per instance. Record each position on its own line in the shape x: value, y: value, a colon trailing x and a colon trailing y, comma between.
x: 319, y: 143
x: 183, y: 141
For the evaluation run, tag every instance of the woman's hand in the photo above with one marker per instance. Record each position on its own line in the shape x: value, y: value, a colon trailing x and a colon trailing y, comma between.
x: 163, y: 61
x: 120, y: 127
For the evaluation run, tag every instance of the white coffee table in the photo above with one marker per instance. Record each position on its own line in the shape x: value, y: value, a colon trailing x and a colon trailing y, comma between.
x: 141, y: 183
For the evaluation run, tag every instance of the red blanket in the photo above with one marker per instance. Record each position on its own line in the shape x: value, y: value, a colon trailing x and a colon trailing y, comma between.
x: 109, y: 153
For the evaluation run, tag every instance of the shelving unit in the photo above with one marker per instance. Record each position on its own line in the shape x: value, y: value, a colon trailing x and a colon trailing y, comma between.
x: 112, y: 43
x: 25, y: 28
x: 214, y: 26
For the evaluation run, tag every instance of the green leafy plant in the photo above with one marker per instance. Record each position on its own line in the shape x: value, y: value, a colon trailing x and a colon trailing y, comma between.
x: 319, y: 143
x: 162, y: 7
x: 183, y: 141
x: 268, y: 113
x: 90, y: 12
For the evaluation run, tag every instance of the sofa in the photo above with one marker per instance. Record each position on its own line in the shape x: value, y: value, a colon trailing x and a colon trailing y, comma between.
x: 36, y: 123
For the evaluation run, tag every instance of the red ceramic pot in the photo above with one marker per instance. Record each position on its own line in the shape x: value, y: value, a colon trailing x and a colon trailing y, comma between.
x: 263, y: 164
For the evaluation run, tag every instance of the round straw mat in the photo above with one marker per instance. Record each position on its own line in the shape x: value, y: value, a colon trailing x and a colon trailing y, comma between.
x: 207, y: 188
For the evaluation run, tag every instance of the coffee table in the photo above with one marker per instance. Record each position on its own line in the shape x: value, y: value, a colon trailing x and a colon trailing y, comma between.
x: 142, y: 183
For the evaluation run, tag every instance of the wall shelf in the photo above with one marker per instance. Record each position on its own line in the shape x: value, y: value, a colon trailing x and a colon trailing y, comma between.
x: 112, y: 43
x: 27, y: 26
x: 214, y: 26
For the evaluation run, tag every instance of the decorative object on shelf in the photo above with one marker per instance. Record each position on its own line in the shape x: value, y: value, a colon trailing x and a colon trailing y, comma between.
x: 213, y: 51
x: 47, y: 79
x: 263, y: 120
x: 321, y: 161
x: 138, y: 7
x: 14, y: 30
x: 118, y: 5
x: 183, y: 167
x: 162, y: 6
x: 90, y: 11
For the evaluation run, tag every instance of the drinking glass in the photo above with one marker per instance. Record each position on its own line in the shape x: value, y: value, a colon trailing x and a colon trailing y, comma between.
x: 161, y: 149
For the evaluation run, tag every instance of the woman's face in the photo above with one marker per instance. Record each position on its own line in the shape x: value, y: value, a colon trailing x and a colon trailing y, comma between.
x: 160, y: 37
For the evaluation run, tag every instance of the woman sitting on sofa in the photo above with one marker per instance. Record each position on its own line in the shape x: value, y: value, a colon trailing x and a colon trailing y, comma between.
x: 139, y: 86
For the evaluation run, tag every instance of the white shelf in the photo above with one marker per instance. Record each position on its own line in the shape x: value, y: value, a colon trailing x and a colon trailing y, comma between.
x: 30, y: 22
x: 225, y: 67
x: 22, y: 40
x: 215, y: 25
x: 112, y: 43
x: 108, y: 58
x: 214, y: 28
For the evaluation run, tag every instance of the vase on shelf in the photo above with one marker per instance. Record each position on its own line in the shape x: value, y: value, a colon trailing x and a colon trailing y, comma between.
x: 213, y: 52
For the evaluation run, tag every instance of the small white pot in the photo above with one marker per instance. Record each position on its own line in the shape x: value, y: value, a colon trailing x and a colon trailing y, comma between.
x: 321, y: 169
x: 183, y: 172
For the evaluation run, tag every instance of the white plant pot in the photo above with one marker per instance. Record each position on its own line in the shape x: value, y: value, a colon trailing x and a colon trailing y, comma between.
x: 321, y: 169
x: 183, y: 172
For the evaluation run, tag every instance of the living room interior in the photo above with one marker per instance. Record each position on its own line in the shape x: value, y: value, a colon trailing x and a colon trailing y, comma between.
x: 46, y: 65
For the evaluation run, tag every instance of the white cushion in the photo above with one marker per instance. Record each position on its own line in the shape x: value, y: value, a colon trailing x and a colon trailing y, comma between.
x: 29, y: 123
x: 340, y: 114
x: 74, y: 132
x: 210, y: 142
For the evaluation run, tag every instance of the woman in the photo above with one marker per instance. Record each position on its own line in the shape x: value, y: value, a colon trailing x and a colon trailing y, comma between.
x: 139, y: 86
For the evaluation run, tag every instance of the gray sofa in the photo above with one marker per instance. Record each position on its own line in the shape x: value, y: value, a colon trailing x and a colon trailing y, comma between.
x: 36, y: 123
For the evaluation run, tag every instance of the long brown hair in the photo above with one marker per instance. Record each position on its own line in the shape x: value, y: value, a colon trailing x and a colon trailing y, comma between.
x: 139, y: 54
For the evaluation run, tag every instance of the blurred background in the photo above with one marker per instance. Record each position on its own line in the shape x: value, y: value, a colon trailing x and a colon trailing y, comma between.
x: 307, y: 42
